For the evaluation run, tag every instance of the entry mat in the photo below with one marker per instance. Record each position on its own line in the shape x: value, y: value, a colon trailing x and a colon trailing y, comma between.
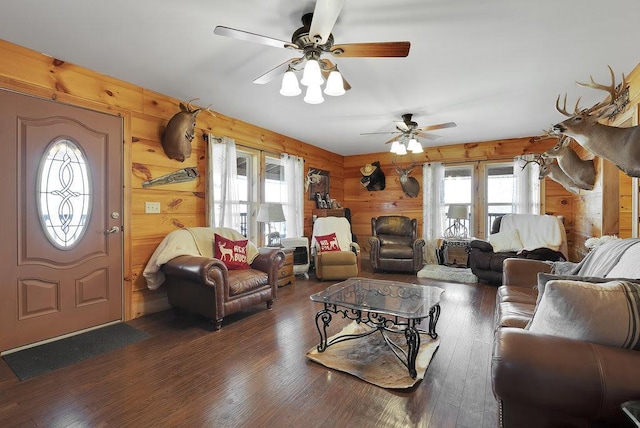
x: 44, y: 358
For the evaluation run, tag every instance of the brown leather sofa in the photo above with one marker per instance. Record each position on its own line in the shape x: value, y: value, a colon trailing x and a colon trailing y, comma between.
x: 206, y: 287
x: 548, y: 381
x: 395, y: 245
x: 486, y: 263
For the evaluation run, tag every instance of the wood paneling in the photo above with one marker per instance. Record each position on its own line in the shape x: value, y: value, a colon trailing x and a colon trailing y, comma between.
x: 146, y: 113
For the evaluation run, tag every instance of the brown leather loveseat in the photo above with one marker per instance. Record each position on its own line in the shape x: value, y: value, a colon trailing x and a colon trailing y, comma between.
x: 551, y: 380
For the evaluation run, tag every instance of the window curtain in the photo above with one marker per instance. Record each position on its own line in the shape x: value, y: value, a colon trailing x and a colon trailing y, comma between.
x: 222, y: 194
x: 526, y: 189
x: 433, y: 214
x: 294, y: 207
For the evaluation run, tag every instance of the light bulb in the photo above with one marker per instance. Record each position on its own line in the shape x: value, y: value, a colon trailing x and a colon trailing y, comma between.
x: 335, y: 85
x: 313, y: 95
x: 290, y: 87
x: 312, y: 75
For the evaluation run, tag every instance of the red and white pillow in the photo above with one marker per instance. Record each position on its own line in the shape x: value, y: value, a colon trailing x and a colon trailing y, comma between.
x: 328, y: 242
x: 232, y: 253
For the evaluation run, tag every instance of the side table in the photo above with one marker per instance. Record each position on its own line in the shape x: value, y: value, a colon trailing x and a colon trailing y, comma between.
x: 454, y: 252
x: 285, y: 273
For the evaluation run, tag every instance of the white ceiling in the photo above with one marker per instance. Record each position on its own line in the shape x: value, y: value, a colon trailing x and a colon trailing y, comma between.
x: 494, y: 67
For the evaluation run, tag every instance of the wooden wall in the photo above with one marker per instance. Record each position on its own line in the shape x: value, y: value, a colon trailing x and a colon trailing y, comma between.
x: 145, y: 113
x: 365, y: 204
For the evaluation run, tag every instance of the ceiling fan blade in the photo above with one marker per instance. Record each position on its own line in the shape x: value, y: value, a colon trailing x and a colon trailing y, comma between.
x: 393, y: 139
x: 378, y: 133
x: 371, y: 50
x: 278, y: 70
x: 251, y: 37
x: 428, y: 136
x: 401, y: 125
x: 325, y: 15
x: 327, y: 66
x: 438, y: 126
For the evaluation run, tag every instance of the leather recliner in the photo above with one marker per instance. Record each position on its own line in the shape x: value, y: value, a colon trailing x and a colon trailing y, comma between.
x: 395, y: 245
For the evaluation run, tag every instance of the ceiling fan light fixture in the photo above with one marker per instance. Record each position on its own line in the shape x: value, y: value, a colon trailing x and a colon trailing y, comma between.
x: 335, y: 84
x: 290, y: 87
x: 402, y: 150
x: 312, y: 76
x: 394, y: 147
x: 313, y: 95
x: 414, y: 146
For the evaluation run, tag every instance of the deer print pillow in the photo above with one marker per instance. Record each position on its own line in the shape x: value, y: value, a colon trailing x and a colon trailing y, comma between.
x: 328, y: 242
x: 232, y: 253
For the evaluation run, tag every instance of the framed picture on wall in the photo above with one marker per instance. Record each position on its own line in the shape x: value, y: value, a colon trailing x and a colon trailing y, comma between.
x: 319, y: 185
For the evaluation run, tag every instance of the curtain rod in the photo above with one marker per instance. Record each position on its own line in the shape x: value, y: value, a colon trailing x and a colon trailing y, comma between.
x: 219, y: 139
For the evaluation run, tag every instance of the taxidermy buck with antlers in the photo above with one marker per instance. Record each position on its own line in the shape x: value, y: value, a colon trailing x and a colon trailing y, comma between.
x: 618, y: 145
x: 582, y: 172
x: 550, y: 168
x: 410, y: 185
x: 177, y: 137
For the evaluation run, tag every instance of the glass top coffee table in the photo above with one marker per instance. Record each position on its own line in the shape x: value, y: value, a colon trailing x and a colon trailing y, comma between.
x: 389, y: 307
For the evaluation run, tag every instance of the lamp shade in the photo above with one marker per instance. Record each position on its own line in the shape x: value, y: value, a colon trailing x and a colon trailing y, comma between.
x: 290, y: 86
x: 311, y: 75
x: 335, y: 85
x: 401, y: 150
x: 313, y: 95
x: 414, y: 146
x: 270, y: 212
x: 458, y: 212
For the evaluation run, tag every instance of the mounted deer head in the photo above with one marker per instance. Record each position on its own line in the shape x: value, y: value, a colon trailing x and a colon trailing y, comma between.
x: 177, y: 136
x: 618, y: 145
x: 410, y: 185
x: 550, y: 168
x: 582, y: 172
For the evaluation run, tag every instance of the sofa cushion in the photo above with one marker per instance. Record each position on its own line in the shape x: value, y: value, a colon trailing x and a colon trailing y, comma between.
x: 543, y: 278
x: 232, y: 253
x: 604, y: 313
x: 514, y: 314
x: 506, y: 241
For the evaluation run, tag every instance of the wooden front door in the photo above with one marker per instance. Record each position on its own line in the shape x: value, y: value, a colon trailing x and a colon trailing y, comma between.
x: 61, y: 192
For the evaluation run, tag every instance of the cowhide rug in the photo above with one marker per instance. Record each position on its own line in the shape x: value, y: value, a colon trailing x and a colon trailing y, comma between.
x: 371, y: 359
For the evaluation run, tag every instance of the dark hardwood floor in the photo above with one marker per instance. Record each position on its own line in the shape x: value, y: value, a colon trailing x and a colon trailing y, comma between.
x: 254, y: 373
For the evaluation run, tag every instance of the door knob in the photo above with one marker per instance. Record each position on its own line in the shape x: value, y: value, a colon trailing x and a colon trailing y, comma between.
x: 114, y: 229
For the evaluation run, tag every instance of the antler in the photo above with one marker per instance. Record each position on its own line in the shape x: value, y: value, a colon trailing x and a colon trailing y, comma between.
x: 611, y: 89
x: 537, y: 159
x: 547, y: 133
x: 563, y: 110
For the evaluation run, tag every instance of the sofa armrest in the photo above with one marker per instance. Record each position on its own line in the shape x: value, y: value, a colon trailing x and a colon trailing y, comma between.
x: 481, y: 245
x: 563, y: 376
x: 523, y: 272
x: 197, y: 269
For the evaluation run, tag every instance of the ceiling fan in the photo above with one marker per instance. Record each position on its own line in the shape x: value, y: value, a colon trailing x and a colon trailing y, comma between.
x: 313, y: 40
x: 407, y: 131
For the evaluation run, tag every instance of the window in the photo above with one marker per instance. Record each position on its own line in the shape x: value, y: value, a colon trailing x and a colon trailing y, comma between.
x: 492, y: 196
x: 500, y: 182
x: 275, y: 190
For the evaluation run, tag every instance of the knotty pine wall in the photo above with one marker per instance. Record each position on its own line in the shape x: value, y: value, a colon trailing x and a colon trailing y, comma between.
x: 145, y: 113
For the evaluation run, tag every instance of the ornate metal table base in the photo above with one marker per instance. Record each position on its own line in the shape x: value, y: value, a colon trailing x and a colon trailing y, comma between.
x: 383, y: 324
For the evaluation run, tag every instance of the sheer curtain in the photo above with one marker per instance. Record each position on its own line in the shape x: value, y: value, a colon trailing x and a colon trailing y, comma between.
x: 432, y: 207
x: 294, y: 207
x: 526, y: 189
x: 222, y: 195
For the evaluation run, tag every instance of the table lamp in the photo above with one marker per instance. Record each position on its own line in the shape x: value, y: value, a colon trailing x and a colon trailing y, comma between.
x: 457, y: 229
x: 271, y: 212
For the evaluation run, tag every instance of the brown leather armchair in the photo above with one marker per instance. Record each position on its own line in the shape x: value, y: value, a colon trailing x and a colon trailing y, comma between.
x: 206, y: 287
x: 395, y: 245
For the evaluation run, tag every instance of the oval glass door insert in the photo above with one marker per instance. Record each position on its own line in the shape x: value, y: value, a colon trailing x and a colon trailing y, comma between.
x: 64, y: 193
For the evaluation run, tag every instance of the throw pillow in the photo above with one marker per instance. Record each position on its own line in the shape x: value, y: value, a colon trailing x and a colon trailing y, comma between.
x: 506, y: 241
x: 328, y: 242
x: 232, y: 253
x: 543, y: 278
x: 603, y: 313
